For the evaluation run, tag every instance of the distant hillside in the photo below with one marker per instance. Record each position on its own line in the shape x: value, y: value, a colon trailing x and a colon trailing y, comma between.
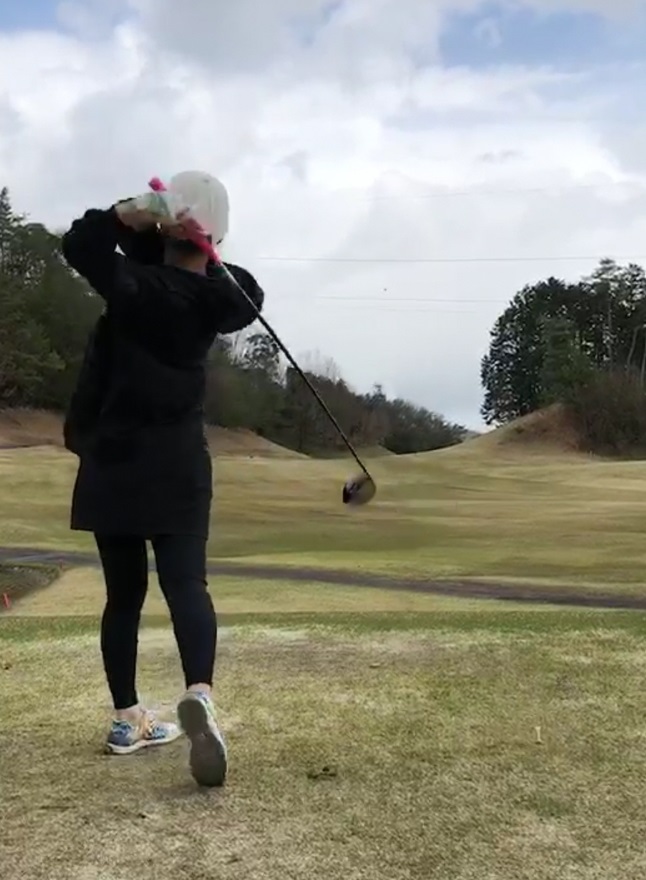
x: 229, y: 441
x: 366, y: 451
x: 549, y: 430
x: 24, y: 427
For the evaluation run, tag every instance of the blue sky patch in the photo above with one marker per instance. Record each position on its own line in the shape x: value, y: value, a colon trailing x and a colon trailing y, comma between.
x: 90, y: 19
x: 23, y: 15
x: 495, y: 35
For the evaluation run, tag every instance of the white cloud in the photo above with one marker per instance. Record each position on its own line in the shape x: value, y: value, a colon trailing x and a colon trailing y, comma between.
x: 616, y: 9
x: 343, y: 39
x: 335, y: 144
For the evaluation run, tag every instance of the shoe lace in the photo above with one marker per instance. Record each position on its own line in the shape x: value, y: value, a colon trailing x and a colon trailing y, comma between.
x: 148, y: 722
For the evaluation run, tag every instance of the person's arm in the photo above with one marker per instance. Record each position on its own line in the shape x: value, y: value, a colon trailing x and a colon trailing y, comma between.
x: 232, y: 311
x: 89, y: 247
x: 144, y: 246
x: 131, y: 289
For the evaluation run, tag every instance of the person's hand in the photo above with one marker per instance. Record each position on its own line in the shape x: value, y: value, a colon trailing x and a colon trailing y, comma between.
x: 182, y: 226
x: 156, y: 210
x: 145, y: 211
x: 135, y: 217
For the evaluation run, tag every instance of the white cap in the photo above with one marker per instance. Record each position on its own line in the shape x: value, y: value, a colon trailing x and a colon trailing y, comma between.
x: 207, y: 199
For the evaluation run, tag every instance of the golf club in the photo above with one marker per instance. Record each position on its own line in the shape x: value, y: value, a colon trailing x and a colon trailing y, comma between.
x: 357, y: 490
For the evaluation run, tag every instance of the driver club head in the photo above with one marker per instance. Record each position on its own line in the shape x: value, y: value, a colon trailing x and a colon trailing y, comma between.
x: 359, y: 490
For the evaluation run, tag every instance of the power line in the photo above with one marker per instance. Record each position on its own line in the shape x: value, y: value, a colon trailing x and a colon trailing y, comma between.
x: 437, y: 191
x: 415, y: 311
x: 412, y: 311
x: 555, y: 189
x: 407, y: 299
x: 375, y: 305
x: 356, y: 303
x: 447, y: 260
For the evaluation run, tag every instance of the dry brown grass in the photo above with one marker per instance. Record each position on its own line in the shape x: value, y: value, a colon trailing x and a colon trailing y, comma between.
x: 29, y: 427
x: 225, y: 441
x: 431, y: 737
x: 548, y: 431
x: 25, y: 427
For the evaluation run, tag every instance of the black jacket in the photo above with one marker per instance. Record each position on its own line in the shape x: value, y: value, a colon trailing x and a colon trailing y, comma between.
x: 136, y: 417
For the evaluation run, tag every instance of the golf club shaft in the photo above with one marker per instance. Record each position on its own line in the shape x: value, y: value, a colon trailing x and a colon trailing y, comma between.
x: 157, y: 186
x: 295, y: 366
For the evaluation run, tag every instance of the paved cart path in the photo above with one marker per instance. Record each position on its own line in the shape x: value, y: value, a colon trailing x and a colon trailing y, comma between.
x: 471, y: 589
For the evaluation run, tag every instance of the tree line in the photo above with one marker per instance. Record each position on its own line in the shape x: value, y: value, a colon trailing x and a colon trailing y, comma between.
x: 581, y: 344
x: 48, y: 312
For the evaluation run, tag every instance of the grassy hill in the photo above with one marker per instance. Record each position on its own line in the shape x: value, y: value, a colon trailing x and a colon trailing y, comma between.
x: 23, y: 428
x: 547, y: 431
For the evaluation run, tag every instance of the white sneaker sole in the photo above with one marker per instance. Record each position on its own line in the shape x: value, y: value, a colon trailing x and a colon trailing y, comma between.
x: 208, y: 757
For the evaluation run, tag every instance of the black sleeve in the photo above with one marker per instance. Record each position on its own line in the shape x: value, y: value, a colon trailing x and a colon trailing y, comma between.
x: 89, y: 246
x: 127, y: 286
x: 143, y: 246
x: 89, y: 394
x: 233, y: 311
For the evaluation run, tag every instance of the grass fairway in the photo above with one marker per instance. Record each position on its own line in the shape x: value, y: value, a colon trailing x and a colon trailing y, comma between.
x: 461, y: 513
x: 423, y: 709
x: 426, y: 721
x: 80, y: 593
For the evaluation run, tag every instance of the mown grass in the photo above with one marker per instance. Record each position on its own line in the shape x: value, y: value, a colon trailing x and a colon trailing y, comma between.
x: 81, y: 592
x: 424, y: 709
x: 465, y: 616
x: 455, y: 514
x: 426, y: 723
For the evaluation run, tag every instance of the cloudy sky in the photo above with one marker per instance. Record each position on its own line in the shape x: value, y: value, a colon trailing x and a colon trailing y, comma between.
x: 398, y: 169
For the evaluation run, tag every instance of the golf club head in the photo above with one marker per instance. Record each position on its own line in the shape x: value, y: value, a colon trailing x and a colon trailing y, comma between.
x: 359, y: 490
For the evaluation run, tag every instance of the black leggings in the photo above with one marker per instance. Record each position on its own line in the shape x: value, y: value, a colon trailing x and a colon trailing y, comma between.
x: 181, y: 568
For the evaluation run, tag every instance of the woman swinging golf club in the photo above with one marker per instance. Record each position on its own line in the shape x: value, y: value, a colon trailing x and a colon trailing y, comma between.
x: 136, y: 423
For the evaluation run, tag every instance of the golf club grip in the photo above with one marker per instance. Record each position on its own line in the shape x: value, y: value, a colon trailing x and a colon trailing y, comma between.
x: 295, y: 366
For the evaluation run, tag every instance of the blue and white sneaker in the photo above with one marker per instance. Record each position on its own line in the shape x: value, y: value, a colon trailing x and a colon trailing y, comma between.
x: 125, y: 738
x: 208, y: 758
